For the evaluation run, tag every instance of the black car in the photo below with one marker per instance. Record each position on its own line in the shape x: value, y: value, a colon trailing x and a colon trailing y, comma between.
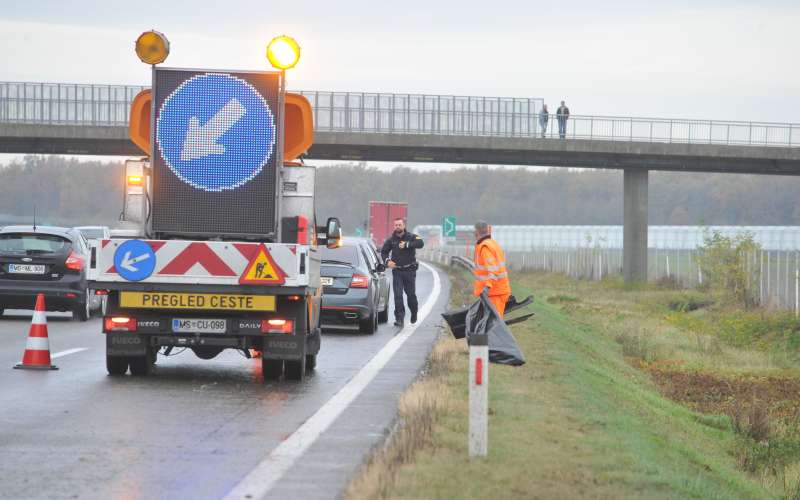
x: 48, y: 260
x: 355, y: 292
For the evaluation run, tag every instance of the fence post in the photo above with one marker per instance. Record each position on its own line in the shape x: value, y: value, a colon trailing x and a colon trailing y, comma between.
x: 796, y: 289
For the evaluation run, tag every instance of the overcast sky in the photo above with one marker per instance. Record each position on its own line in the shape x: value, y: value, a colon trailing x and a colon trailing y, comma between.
x: 711, y: 59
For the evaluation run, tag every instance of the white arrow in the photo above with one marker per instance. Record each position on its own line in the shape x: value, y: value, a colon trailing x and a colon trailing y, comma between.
x: 201, y: 141
x: 127, y: 262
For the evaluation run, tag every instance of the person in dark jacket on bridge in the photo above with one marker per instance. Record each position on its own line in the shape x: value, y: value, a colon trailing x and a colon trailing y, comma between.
x: 402, y: 247
x: 562, y: 113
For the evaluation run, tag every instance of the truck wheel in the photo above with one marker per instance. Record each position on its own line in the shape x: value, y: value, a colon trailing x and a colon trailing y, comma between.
x: 83, y: 311
x: 272, y: 368
x: 383, y: 316
x: 370, y: 324
x: 140, y: 365
x: 116, y: 365
x: 311, y: 362
x: 296, y: 370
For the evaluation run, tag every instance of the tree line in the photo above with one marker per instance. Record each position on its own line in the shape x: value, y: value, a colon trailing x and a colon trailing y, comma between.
x: 72, y: 192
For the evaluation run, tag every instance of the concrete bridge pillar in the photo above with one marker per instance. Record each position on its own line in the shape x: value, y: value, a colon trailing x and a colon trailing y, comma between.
x: 634, y: 245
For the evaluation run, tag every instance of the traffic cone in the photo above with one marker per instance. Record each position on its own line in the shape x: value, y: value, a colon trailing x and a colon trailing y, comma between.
x: 37, y: 351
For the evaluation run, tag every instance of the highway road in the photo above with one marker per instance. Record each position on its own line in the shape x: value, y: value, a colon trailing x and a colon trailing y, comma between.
x: 201, y: 429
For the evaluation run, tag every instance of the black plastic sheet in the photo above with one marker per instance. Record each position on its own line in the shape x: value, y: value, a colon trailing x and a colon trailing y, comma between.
x: 481, y: 319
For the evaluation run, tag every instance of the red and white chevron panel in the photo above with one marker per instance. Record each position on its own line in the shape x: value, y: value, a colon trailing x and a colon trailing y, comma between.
x: 204, y: 262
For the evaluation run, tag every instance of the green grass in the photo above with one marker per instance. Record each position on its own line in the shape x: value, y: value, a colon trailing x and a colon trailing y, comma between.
x: 576, y: 421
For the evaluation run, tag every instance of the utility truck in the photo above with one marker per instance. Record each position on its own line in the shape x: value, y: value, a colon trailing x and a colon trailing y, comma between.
x: 217, y: 247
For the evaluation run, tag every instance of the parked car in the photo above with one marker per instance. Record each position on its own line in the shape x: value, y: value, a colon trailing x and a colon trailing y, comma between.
x: 355, y: 292
x: 48, y: 260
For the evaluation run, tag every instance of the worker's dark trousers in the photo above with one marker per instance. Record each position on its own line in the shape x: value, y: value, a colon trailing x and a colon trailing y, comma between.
x: 404, y: 280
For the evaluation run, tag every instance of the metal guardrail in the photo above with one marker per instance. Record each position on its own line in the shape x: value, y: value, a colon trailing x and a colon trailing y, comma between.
x: 360, y: 112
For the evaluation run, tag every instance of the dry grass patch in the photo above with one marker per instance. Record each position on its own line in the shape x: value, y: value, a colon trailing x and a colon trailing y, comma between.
x: 420, y: 407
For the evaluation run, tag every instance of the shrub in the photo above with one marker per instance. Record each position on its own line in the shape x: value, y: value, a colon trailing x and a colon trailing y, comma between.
x: 726, y: 264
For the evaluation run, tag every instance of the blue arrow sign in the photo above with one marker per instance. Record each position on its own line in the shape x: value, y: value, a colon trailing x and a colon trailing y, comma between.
x: 215, y: 132
x: 135, y: 260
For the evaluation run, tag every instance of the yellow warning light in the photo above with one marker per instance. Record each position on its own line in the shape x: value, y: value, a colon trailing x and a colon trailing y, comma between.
x: 135, y: 180
x: 152, y: 47
x: 283, y: 52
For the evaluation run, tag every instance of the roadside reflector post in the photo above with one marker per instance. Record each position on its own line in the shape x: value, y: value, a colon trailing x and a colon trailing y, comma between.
x: 478, y: 395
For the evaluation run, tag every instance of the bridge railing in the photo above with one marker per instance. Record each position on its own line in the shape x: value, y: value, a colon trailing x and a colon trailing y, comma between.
x: 360, y: 112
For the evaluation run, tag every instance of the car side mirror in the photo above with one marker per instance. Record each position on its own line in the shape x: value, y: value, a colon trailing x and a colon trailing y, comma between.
x: 333, y: 233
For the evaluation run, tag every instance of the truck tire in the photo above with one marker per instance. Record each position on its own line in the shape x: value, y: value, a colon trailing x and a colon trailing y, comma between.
x: 140, y: 365
x: 272, y: 368
x: 369, y: 325
x: 116, y: 365
x: 296, y: 369
x: 311, y: 362
x: 82, y: 311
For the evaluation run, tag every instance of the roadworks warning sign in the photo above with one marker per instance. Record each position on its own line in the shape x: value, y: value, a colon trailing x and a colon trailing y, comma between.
x: 262, y: 270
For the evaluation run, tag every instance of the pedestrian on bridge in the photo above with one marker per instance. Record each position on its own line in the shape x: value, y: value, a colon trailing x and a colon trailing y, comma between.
x: 544, y: 117
x: 562, y: 113
x: 490, y: 268
x: 402, y: 246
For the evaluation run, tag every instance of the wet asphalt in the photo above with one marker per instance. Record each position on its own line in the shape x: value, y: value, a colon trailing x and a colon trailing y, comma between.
x: 195, y: 428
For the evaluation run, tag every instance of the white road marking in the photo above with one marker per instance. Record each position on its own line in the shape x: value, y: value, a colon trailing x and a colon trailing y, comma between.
x: 67, y: 352
x: 270, y: 470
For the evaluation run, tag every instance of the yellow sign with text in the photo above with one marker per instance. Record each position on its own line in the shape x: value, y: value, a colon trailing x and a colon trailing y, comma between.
x: 206, y: 301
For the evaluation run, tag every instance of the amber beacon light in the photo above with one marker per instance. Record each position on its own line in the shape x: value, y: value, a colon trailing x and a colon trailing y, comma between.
x: 283, y: 52
x: 152, y: 47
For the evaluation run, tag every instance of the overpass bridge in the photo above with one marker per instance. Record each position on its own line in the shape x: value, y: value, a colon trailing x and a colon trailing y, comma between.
x: 57, y: 118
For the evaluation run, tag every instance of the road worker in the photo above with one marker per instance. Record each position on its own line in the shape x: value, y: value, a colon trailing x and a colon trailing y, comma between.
x: 490, y: 268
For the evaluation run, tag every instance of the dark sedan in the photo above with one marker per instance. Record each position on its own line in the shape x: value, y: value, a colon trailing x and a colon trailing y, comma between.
x: 355, y: 288
x: 48, y: 260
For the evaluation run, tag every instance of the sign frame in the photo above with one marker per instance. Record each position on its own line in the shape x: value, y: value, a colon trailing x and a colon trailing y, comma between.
x: 278, y: 153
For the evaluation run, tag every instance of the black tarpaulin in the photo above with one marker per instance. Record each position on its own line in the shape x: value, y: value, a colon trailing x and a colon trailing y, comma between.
x: 481, y: 318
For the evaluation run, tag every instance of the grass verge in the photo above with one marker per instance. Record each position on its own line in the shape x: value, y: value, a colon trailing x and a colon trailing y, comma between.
x: 586, y: 417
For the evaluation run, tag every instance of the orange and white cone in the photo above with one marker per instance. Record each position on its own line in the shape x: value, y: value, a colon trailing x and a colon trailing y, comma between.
x: 37, y: 352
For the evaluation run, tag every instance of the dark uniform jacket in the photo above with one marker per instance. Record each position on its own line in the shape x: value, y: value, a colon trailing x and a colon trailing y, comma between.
x: 404, y: 257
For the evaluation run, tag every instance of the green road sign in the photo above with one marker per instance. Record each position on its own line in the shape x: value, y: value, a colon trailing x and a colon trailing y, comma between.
x: 449, y: 226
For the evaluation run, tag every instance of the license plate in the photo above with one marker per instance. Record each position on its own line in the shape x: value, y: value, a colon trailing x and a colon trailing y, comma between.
x: 26, y: 268
x: 201, y: 325
x: 200, y: 301
x: 326, y: 281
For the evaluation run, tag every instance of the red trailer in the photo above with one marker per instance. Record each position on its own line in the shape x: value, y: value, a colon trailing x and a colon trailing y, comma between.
x: 381, y: 218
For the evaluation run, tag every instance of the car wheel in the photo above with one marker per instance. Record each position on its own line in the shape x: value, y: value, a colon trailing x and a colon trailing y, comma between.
x: 383, y: 316
x: 272, y: 368
x: 116, y: 365
x: 295, y: 370
x: 369, y: 325
x: 311, y: 362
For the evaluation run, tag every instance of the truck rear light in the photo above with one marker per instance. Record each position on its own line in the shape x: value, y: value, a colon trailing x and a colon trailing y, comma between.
x: 135, y: 180
x: 71, y: 295
x: 276, y: 325
x: 74, y: 261
x: 119, y: 324
x: 101, y: 292
x: 294, y: 298
x: 359, y: 281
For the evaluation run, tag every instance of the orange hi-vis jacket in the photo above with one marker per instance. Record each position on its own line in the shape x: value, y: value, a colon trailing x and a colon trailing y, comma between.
x: 490, y: 269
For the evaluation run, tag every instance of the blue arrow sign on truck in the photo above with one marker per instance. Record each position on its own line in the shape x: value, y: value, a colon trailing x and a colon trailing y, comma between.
x: 216, y: 132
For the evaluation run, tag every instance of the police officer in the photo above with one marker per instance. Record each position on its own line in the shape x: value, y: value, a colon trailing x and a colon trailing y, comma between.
x: 402, y: 246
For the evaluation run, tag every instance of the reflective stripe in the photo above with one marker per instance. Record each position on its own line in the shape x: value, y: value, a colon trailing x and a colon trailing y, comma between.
x: 498, y: 267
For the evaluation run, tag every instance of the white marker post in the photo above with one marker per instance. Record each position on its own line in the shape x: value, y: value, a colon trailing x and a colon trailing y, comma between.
x: 478, y: 395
